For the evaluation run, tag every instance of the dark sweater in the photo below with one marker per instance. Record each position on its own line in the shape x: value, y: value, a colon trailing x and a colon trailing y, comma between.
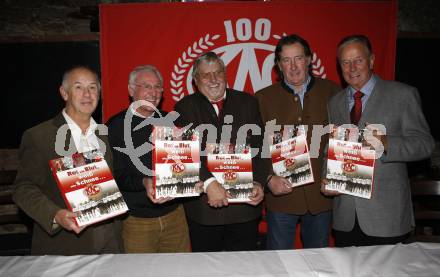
x: 127, y: 176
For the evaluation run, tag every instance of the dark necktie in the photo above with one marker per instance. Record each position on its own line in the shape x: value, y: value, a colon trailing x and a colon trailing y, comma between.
x: 219, y: 105
x: 356, y: 111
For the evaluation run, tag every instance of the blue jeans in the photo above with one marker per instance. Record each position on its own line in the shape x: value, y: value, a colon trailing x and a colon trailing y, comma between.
x: 281, y: 230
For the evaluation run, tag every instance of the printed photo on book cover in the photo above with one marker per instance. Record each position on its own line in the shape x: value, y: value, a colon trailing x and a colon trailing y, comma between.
x: 176, y: 162
x: 350, y: 166
x: 231, y: 165
x: 290, y: 156
x: 88, y: 187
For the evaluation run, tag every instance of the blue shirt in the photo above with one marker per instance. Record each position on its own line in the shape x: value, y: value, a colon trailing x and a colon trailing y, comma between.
x: 301, y: 92
x: 367, y: 89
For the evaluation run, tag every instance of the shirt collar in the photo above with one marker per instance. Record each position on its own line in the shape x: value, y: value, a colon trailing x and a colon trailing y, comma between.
x: 304, y: 85
x: 75, y: 128
x: 367, y: 89
x: 223, y: 98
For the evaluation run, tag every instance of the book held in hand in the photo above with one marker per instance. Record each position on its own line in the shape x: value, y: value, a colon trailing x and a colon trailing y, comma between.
x: 231, y: 166
x: 350, y: 166
x: 176, y: 162
x: 87, y: 186
x: 291, y: 157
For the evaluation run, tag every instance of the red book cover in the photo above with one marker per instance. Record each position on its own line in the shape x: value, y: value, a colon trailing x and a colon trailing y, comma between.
x: 232, y: 167
x: 88, y: 187
x: 176, y: 162
x: 291, y: 157
x: 350, y: 166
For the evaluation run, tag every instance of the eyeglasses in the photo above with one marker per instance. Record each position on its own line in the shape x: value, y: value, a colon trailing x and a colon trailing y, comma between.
x: 206, y: 76
x: 148, y: 87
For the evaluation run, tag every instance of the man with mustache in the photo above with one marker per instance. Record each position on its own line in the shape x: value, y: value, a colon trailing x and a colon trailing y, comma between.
x: 216, y: 225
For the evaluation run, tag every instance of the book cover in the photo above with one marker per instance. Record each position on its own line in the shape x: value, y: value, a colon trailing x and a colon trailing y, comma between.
x: 350, y: 166
x: 231, y: 166
x: 291, y: 157
x: 88, y: 187
x: 176, y: 162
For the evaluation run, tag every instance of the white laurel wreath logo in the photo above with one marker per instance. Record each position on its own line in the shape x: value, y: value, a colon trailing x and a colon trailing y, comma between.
x: 318, y: 69
x: 197, y: 48
x: 184, y: 62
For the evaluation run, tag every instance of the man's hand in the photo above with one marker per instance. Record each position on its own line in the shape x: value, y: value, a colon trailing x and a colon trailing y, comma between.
x: 217, y: 195
x: 257, y: 194
x: 279, y: 185
x: 199, y: 187
x: 64, y: 218
x: 148, y: 184
x: 327, y: 192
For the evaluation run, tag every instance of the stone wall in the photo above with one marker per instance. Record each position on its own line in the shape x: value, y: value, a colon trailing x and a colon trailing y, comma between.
x: 43, y: 19
x: 50, y: 18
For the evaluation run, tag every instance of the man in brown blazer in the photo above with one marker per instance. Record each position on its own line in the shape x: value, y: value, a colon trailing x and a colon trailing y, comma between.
x: 35, y: 190
x: 298, y: 99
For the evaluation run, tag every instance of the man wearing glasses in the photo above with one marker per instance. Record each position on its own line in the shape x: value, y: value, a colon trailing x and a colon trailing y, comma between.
x: 153, y: 225
x: 216, y: 225
x: 298, y: 99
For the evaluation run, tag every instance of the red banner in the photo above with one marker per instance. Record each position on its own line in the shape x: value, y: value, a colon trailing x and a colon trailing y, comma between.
x: 171, y: 35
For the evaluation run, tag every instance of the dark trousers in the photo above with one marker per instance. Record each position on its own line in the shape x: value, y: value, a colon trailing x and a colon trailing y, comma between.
x: 229, y: 237
x: 356, y: 237
x: 281, y: 229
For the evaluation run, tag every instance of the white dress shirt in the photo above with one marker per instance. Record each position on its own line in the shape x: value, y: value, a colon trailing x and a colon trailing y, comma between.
x: 83, y: 142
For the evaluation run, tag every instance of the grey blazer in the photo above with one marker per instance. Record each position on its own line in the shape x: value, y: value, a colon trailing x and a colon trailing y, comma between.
x: 389, y: 211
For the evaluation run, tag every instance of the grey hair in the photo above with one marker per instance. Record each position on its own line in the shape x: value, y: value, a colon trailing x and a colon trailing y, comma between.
x: 355, y: 39
x: 67, y: 73
x: 208, y: 57
x: 144, y: 68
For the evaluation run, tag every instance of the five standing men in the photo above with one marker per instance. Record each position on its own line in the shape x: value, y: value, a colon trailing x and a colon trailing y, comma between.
x: 298, y: 99
x: 159, y: 225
